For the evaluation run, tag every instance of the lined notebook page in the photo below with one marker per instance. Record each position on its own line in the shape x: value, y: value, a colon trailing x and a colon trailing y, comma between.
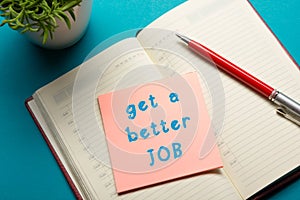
x: 258, y: 146
x: 85, y: 141
x: 34, y: 108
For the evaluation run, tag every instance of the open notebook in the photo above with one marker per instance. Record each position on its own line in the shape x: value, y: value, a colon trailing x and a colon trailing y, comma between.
x: 258, y: 147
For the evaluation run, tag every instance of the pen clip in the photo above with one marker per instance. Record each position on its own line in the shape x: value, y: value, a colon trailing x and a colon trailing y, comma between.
x: 288, y: 115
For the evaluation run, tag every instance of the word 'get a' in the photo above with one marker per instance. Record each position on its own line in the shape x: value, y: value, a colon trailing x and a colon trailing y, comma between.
x: 131, y: 109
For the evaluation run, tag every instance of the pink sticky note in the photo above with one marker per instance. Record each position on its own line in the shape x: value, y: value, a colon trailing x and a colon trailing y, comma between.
x: 156, y: 131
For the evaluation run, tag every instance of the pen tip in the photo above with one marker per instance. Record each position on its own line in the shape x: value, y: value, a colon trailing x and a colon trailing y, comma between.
x: 178, y: 35
x: 183, y: 38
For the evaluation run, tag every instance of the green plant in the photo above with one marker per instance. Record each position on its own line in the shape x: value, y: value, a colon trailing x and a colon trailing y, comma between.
x: 37, y: 15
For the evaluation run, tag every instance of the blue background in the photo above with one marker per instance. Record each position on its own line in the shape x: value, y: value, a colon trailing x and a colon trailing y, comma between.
x: 27, y: 167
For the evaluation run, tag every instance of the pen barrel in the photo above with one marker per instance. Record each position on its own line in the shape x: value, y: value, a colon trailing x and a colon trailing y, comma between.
x: 230, y: 68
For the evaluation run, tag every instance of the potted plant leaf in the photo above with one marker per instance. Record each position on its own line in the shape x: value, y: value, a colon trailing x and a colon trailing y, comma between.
x: 48, y: 23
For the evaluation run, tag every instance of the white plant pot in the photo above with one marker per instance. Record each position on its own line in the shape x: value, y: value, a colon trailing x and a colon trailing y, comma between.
x: 64, y: 37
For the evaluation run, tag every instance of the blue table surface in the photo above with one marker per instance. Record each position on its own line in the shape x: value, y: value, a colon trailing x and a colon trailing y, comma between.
x: 27, y: 167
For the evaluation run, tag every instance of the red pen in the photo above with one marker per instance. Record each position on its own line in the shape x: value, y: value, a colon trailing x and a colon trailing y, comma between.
x: 288, y: 108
